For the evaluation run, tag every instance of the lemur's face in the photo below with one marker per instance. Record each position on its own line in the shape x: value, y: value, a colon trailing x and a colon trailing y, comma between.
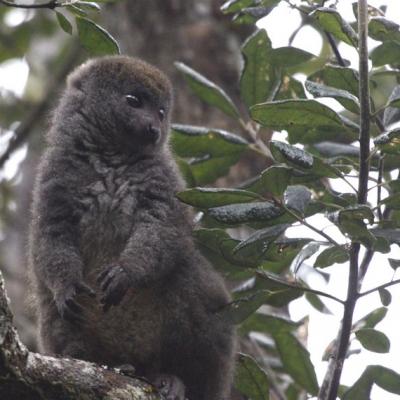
x: 128, y: 100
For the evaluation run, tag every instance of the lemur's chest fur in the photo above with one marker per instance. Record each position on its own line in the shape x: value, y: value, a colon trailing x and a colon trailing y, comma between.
x: 109, y: 205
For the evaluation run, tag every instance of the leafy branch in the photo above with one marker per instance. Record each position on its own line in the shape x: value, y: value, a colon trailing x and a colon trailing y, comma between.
x: 287, y: 284
x: 331, y: 382
x: 306, y: 224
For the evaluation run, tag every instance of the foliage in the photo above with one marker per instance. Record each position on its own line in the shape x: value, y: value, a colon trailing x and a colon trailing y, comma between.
x: 294, y: 187
x: 270, y: 269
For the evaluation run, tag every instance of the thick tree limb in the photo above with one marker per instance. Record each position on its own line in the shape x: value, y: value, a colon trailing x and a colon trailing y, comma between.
x: 30, y: 376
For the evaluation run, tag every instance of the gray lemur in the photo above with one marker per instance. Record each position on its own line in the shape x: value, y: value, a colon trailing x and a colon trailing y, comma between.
x: 108, y: 232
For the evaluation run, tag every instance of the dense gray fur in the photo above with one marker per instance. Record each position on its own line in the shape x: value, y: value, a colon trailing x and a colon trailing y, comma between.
x: 105, y: 218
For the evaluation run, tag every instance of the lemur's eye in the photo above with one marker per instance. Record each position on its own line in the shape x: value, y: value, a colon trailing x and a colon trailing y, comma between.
x: 134, y: 101
x: 161, y: 113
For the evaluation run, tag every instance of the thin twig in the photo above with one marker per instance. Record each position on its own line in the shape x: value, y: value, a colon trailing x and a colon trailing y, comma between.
x: 52, y: 4
x: 383, y: 184
x: 349, y: 183
x: 305, y: 223
x: 364, y: 266
x: 379, y: 189
x: 335, y: 49
x: 388, y: 210
x: 295, y: 7
x: 253, y: 135
x: 375, y: 289
x: 302, y: 288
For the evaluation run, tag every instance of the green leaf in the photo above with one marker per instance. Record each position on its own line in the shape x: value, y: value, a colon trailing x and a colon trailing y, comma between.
x: 280, y: 254
x: 260, y: 240
x: 381, y: 376
x: 386, y: 53
x: 240, y: 309
x: 214, y: 150
x: 215, y: 197
x: 371, y: 319
x: 232, y: 6
x: 267, y: 289
x: 296, y: 361
x: 351, y: 222
x: 274, y: 179
x: 285, y: 113
x: 250, y: 379
x: 361, y: 390
x: 208, y: 91
x: 391, y: 235
x: 214, y: 244
x: 193, y: 141
x: 236, y: 214
x: 392, y: 201
x: 394, y: 263
x: 64, y: 23
x: 306, y: 252
x: 250, y: 15
x: 317, y: 303
x: 284, y: 152
x: 332, y: 255
x: 386, y: 296
x: 345, y: 98
x: 248, y: 11
x: 286, y: 57
x: 394, y: 99
x: 297, y: 198
x: 385, y: 378
x: 343, y: 78
x: 88, y: 5
x: 382, y: 29
x: 307, y: 120
x: 77, y: 11
x: 95, y: 39
x: 275, y: 282
x: 185, y: 171
x: 331, y: 21
x: 301, y: 159
x: 258, y: 76
x: 293, y: 392
x: 267, y: 323
x: 373, y: 340
x: 291, y: 88
x: 389, y: 142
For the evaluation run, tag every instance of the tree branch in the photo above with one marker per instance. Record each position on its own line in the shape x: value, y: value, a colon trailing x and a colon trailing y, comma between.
x: 335, y: 49
x: 379, y: 187
x: 305, y: 223
x: 329, y: 388
x: 364, y: 266
x: 25, y: 375
x: 375, y: 289
x: 262, y: 275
